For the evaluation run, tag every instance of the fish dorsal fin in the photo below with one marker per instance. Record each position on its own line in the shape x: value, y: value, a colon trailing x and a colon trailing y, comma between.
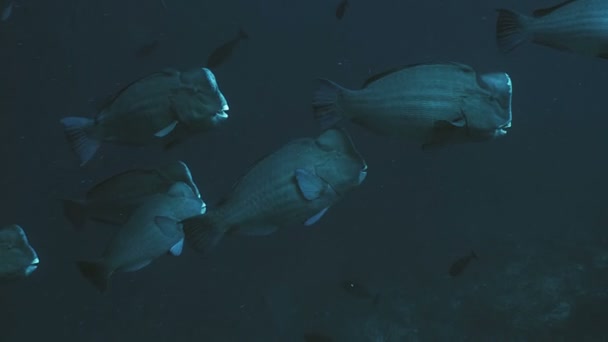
x: 544, y: 11
x: 181, y: 190
x: 383, y: 74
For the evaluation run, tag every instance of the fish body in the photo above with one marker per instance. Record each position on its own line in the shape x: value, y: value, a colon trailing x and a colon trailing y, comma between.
x: 461, y: 264
x: 224, y: 51
x: 431, y: 104
x: 341, y: 9
x: 7, y: 11
x: 114, y: 199
x: 295, y: 184
x: 18, y: 259
x: 575, y: 25
x: 152, y: 231
x: 164, y: 107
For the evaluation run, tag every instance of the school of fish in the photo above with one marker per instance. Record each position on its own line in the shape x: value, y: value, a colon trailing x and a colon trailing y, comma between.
x: 156, y: 211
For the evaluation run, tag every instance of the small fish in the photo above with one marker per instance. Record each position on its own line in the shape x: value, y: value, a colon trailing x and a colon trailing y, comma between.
x: 224, y: 51
x: 459, y: 265
x: 296, y: 184
x: 7, y: 11
x: 164, y: 107
x: 153, y: 230
x: 114, y: 199
x: 574, y: 25
x: 147, y: 49
x: 356, y: 289
x: 431, y: 104
x: 341, y: 9
x: 317, y: 337
x: 17, y: 258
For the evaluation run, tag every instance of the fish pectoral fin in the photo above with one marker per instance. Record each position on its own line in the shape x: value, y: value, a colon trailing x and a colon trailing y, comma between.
x: 443, y: 132
x: 168, y: 226
x: 166, y: 131
x: 176, y: 250
x: 311, y: 186
x: 255, y: 230
x: 314, y: 219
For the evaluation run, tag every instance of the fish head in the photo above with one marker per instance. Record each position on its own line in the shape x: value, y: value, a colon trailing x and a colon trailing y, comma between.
x: 489, y: 115
x: 184, y: 202
x: 207, y: 106
x: 339, y: 164
x: 19, y: 259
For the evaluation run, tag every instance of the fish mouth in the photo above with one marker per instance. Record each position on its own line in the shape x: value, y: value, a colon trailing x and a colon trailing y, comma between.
x: 502, y: 130
x: 221, y: 114
x: 32, y: 267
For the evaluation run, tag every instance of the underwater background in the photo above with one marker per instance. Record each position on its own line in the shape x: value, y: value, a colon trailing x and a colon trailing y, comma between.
x: 532, y: 205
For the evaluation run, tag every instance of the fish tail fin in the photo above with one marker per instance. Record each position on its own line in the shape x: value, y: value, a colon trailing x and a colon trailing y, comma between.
x: 77, y: 132
x: 511, y: 30
x: 75, y: 211
x: 324, y: 103
x: 95, y: 272
x: 243, y: 34
x: 203, y: 232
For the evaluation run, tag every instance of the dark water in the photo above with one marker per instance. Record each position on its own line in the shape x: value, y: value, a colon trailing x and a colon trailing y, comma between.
x: 531, y: 205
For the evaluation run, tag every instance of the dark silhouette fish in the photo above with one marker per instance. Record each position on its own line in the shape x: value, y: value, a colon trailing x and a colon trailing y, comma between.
x: 341, y: 9
x: 317, y: 337
x: 116, y: 198
x: 459, y: 265
x: 356, y: 289
x: 221, y: 54
x: 147, y: 49
x: 574, y: 25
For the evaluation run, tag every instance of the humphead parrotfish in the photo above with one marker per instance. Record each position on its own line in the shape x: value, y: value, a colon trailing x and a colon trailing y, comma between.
x: 113, y: 200
x: 165, y: 107
x: 295, y: 184
x: 153, y: 230
x: 18, y: 259
x: 431, y: 104
x: 578, y: 26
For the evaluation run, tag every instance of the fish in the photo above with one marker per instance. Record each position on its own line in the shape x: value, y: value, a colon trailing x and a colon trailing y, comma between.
x: 295, y: 184
x: 577, y: 26
x: 164, y: 107
x: 314, y: 336
x: 147, y: 49
x: 433, y: 105
x: 459, y: 265
x: 114, y: 199
x: 7, y: 11
x: 153, y: 230
x: 356, y: 289
x: 18, y: 259
x: 341, y: 9
x: 224, y: 51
